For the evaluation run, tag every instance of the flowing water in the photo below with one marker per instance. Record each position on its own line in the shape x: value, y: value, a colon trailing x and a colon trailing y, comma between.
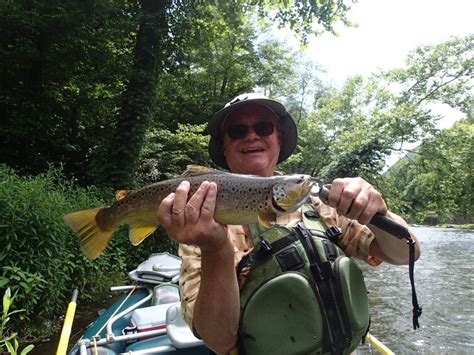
x: 445, y: 287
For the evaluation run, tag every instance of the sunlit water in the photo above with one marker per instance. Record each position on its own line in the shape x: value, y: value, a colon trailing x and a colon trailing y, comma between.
x: 444, y: 283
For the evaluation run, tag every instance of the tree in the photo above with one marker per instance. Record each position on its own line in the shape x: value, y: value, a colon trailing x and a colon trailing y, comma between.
x: 62, y: 66
x: 121, y: 158
x: 436, y: 182
x: 352, y: 130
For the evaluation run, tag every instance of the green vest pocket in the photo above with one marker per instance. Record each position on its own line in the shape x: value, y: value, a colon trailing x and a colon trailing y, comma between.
x: 282, y: 316
x: 354, y: 294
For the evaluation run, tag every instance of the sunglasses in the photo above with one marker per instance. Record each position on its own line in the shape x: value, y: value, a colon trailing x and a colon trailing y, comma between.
x: 239, y: 131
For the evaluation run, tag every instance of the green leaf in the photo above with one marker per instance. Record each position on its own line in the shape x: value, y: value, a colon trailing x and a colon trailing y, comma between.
x: 10, y: 348
x: 7, y: 301
x: 27, y: 349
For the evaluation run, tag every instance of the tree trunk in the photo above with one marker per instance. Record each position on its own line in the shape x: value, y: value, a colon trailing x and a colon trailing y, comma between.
x: 119, y: 164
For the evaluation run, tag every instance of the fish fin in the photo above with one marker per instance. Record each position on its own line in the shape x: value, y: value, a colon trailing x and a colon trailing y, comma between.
x: 192, y: 170
x: 266, y: 218
x: 139, y: 232
x: 121, y: 194
x: 92, y: 238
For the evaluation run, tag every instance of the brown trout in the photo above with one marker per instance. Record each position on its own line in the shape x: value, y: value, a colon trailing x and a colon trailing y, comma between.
x: 241, y: 199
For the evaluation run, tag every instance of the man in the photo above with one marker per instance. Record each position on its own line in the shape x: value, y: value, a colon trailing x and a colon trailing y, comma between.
x: 251, y: 135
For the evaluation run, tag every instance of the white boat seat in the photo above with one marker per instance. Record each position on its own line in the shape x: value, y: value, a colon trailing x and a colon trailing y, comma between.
x: 178, y: 330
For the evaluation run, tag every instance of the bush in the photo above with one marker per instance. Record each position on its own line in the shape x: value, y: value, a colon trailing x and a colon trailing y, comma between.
x: 8, y: 340
x: 40, y: 256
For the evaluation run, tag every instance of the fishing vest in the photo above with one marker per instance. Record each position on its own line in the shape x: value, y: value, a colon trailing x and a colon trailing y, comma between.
x: 302, y: 295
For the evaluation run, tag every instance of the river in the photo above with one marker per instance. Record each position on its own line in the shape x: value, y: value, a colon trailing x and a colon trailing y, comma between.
x: 445, y: 288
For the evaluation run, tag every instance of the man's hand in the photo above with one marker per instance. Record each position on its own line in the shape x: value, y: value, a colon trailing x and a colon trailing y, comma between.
x: 192, y: 221
x: 356, y: 199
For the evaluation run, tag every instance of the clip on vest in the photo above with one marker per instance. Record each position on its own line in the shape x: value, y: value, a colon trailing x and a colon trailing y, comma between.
x: 333, y: 233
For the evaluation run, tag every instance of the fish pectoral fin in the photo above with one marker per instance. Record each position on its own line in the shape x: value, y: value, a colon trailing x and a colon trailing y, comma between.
x: 266, y: 218
x: 121, y: 194
x: 139, y: 232
x: 192, y: 170
x: 92, y: 239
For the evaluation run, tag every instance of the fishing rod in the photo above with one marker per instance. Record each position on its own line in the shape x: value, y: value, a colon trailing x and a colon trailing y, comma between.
x: 379, y: 220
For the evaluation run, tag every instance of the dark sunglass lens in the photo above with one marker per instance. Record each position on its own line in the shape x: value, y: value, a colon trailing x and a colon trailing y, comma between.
x: 237, y: 131
x: 264, y: 128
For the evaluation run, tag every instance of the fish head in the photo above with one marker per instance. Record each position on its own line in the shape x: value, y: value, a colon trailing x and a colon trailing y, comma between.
x: 290, y: 192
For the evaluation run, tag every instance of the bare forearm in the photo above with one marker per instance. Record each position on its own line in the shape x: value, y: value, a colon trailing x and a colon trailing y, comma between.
x: 390, y: 249
x: 216, y: 313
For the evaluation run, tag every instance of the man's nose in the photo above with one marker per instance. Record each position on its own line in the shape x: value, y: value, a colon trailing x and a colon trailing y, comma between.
x: 251, y: 134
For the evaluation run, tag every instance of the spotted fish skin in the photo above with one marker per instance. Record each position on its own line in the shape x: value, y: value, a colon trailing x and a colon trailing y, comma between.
x: 241, y: 199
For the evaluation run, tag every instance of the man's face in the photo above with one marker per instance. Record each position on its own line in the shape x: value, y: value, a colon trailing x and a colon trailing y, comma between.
x: 253, y: 153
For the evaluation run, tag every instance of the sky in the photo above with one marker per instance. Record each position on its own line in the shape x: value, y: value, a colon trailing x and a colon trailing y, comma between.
x: 387, y: 30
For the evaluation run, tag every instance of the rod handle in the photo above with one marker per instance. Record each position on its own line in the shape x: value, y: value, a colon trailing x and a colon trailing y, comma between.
x: 379, y: 220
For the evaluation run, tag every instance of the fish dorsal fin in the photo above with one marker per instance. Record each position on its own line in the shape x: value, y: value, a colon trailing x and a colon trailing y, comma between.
x: 121, y: 194
x: 192, y: 170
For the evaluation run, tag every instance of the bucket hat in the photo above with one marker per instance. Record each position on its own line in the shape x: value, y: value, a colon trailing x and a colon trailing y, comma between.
x: 285, y: 122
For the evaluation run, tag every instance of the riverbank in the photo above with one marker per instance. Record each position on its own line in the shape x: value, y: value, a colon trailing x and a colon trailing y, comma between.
x: 448, y: 225
x: 456, y: 226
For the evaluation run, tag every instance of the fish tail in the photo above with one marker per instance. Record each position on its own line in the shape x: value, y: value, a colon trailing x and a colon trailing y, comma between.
x: 92, y: 238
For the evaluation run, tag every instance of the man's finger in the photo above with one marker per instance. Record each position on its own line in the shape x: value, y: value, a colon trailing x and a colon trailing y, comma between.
x: 209, y: 204
x: 193, y: 207
x: 337, y: 187
x: 181, y: 197
x: 348, y: 197
x: 164, y: 210
x: 359, y: 204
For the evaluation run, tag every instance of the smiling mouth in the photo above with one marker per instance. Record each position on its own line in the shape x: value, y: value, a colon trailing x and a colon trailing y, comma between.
x: 252, y: 150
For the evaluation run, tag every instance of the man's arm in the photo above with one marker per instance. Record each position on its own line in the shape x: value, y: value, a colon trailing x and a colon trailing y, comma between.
x: 356, y: 199
x: 217, y: 307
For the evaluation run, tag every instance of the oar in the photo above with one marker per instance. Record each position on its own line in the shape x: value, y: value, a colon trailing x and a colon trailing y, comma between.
x: 67, y: 326
x: 377, y: 344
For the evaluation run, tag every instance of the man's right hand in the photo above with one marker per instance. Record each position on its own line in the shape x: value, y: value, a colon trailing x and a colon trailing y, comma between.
x: 192, y: 221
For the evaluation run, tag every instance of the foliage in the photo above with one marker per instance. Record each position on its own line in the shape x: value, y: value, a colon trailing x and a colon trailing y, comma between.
x: 63, y: 67
x: 7, y: 337
x: 353, y: 129
x: 436, y: 182
x: 440, y: 73
x: 40, y: 255
x: 83, y: 82
x: 120, y: 160
x: 305, y: 16
x: 186, y: 146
